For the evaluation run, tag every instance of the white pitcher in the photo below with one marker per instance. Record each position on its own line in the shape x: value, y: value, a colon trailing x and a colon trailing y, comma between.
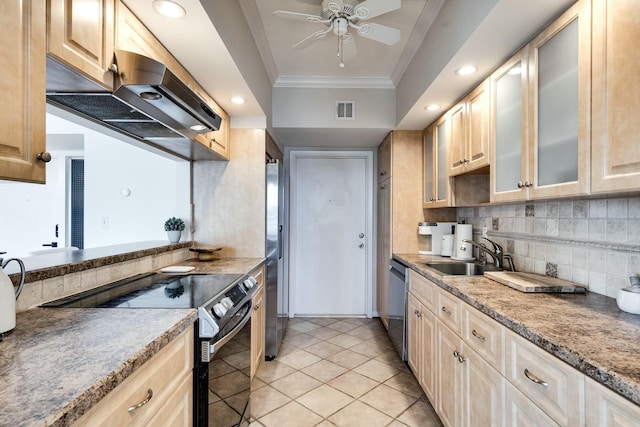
x: 8, y: 295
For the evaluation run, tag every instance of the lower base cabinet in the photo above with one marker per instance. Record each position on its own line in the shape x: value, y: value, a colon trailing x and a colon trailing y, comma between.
x: 604, y: 408
x: 161, y: 391
x: 483, y: 374
x: 257, y: 322
x: 522, y: 412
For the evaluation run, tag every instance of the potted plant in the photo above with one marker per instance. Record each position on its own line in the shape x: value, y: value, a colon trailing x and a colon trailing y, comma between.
x: 174, y: 226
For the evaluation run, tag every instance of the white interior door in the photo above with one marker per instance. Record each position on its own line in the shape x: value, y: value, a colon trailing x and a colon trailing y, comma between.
x: 331, y: 230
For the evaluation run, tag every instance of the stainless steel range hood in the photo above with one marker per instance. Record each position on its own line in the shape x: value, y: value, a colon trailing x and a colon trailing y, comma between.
x: 148, y: 102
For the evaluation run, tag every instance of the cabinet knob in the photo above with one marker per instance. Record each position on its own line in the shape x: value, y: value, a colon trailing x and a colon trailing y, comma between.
x: 461, y: 161
x: 527, y: 184
x: 520, y: 184
x: 45, y: 156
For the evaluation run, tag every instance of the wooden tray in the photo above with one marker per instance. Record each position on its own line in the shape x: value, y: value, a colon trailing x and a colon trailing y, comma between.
x: 205, y: 253
x: 530, y: 282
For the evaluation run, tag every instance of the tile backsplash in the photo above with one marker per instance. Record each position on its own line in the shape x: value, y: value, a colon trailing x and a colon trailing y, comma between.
x: 595, y: 242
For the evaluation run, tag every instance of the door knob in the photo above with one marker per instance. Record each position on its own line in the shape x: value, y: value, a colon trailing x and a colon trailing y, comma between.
x: 361, y: 235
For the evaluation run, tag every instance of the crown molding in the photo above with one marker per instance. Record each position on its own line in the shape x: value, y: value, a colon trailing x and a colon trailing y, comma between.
x: 251, y: 14
x: 335, y: 82
x: 425, y: 20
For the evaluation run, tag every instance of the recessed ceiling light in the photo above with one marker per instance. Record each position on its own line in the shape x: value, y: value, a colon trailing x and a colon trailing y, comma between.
x: 466, y: 70
x: 169, y: 8
x: 238, y: 100
x: 432, y: 107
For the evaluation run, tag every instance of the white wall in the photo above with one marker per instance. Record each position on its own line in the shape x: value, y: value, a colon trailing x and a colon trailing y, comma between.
x: 160, y: 188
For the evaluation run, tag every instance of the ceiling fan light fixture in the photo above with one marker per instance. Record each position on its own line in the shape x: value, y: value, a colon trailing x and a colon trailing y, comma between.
x: 169, y: 9
x: 466, y: 70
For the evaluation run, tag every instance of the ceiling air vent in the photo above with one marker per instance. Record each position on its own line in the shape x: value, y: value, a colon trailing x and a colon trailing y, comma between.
x: 345, y: 110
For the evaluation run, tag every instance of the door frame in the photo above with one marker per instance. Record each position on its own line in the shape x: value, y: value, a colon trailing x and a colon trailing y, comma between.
x: 370, y: 241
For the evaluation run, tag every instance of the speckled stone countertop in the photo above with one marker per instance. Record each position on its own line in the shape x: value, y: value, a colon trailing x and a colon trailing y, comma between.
x: 59, y: 362
x: 587, y: 331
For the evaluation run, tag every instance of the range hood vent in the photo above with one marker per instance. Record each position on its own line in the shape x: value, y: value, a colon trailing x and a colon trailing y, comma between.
x: 148, y: 102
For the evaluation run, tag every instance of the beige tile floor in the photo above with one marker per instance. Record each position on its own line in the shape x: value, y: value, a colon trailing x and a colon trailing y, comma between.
x: 338, y: 372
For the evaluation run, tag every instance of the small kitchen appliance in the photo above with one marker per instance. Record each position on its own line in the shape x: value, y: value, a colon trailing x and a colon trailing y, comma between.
x: 463, y: 251
x: 430, y: 236
x: 9, y: 295
x: 447, y: 245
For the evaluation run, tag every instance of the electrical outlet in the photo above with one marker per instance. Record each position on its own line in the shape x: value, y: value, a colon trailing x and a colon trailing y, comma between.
x: 484, y: 231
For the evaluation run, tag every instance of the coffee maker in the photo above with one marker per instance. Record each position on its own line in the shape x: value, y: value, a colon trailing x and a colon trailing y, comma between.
x: 430, y: 236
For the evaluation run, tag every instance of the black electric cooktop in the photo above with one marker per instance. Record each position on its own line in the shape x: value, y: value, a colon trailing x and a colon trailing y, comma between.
x: 154, y: 290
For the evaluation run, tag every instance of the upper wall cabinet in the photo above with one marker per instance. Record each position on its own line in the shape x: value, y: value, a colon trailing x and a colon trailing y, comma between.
x: 541, y: 103
x: 436, y: 185
x: 22, y: 57
x: 560, y: 99
x: 80, y: 34
x: 468, y: 149
x: 616, y: 96
x: 133, y: 36
x: 509, y: 130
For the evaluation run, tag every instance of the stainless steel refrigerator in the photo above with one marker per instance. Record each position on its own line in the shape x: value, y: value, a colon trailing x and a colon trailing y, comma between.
x: 277, y: 295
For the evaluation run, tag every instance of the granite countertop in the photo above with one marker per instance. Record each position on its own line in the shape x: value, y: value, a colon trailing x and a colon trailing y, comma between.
x: 59, y: 362
x: 587, y: 331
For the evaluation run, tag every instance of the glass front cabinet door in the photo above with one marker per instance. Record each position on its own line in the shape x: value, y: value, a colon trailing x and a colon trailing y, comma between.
x: 436, y: 183
x: 559, y: 76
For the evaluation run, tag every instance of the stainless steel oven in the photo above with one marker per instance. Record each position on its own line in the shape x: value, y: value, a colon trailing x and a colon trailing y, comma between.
x: 223, y: 333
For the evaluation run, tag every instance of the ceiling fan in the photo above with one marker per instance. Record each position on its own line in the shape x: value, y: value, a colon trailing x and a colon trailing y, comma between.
x: 339, y: 16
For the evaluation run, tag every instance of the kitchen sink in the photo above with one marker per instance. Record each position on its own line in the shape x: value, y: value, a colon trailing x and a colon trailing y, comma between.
x: 461, y: 268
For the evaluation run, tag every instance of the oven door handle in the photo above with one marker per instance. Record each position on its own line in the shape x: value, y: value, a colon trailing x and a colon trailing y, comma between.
x: 212, y: 348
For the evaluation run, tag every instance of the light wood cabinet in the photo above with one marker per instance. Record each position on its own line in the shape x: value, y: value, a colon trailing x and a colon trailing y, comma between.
x: 399, y: 205
x: 449, y: 311
x: 80, y: 34
x: 164, y: 382
x: 552, y: 385
x: 257, y: 322
x: 133, y: 36
x: 384, y: 159
x: 616, y: 90
x: 560, y: 106
x: 483, y: 395
x: 421, y: 340
x: 522, y: 412
x: 540, y: 114
x: 605, y: 408
x: 436, y: 184
x: 450, y: 377
x: 485, y: 336
x: 22, y: 57
x: 468, y: 148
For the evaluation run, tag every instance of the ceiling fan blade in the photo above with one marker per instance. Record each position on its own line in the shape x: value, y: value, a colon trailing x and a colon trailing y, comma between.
x: 300, y: 16
x: 349, y: 50
x: 378, y: 32
x: 371, y: 8
x: 311, y: 38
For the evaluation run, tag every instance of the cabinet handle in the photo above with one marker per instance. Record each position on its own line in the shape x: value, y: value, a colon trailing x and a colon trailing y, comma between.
x: 418, y: 314
x: 257, y: 307
x: 527, y: 184
x: 144, y: 402
x: 445, y: 310
x: 456, y: 353
x: 477, y: 335
x: 461, y: 161
x: 534, y: 378
x: 520, y: 184
x: 383, y: 173
x: 461, y: 359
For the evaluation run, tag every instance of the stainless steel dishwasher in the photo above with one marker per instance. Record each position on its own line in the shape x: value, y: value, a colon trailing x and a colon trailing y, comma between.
x: 398, y: 288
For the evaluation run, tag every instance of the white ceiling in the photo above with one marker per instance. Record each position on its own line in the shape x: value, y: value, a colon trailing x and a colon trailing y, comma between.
x: 420, y: 67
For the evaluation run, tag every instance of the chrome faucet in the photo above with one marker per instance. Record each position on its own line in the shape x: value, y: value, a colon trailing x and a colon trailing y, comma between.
x: 497, y: 253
